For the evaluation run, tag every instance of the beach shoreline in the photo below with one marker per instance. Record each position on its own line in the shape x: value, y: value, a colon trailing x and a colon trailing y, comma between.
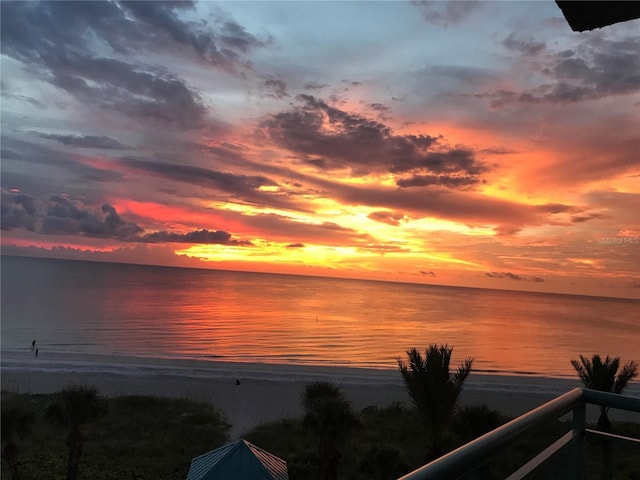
x: 266, y: 392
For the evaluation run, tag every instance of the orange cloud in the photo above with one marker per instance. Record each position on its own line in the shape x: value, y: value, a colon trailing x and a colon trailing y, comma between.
x: 174, y: 217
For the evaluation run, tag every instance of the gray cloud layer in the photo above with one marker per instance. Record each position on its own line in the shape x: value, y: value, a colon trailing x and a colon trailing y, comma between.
x: 76, y: 49
x: 85, y: 141
x: 596, y: 68
x: 330, y: 138
x: 61, y: 215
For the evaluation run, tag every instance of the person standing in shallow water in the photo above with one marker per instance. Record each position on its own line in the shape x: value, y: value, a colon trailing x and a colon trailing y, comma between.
x: 36, y: 352
x: 33, y: 345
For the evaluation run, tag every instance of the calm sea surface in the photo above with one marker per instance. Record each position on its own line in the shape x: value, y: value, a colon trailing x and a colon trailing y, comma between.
x: 132, y: 310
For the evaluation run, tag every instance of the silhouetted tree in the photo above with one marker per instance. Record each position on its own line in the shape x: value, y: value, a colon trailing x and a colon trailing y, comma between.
x: 75, y: 407
x: 603, y: 375
x: 16, y: 420
x: 433, y: 388
x: 328, y: 415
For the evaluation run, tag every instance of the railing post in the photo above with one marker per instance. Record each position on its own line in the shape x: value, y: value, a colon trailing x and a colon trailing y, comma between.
x: 577, y: 450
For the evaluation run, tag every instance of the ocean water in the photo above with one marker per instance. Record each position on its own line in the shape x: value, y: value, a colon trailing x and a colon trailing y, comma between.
x: 172, y: 313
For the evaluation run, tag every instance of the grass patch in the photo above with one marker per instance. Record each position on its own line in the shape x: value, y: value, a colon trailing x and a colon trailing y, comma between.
x: 142, y: 437
x: 139, y: 437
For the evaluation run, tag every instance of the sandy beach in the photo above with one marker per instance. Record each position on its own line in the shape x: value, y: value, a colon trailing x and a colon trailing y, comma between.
x: 266, y: 392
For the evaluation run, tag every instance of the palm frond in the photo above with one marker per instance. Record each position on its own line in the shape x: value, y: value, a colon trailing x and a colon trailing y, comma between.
x: 628, y: 373
x: 602, y: 374
x: 584, y: 369
x: 433, y: 388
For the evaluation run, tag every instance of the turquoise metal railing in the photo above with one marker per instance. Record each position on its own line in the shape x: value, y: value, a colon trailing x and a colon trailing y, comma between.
x: 466, y: 459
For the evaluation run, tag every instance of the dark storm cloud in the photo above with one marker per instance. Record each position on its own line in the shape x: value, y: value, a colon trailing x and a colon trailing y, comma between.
x: 241, y: 187
x: 202, y: 237
x: 66, y: 44
x: 35, y: 153
x: 229, y: 182
x: 338, y: 139
x: 18, y: 210
x: 62, y: 215
x: 513, y: 276
x: 446, y: 13
x: 143, y: 93
x: 85, y: 141
x: 595, y: 69
x: 220, y: 48
x: 296, y: 245
x: 65, y: 216
x: 29, y: 28
x: 39, y: 154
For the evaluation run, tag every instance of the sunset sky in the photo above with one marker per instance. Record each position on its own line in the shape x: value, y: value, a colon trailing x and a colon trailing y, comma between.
x: 461, y: 143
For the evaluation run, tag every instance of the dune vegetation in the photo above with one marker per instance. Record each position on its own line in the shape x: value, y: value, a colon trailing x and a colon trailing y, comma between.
x: 140, y: 437
x: 79, y: 434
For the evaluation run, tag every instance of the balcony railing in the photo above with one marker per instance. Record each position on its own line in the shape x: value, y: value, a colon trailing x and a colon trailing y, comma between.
x: 467, y: 459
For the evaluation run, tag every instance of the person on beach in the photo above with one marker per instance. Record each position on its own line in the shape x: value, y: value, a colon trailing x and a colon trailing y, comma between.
x: 36, y: 352
x: 33, y: 345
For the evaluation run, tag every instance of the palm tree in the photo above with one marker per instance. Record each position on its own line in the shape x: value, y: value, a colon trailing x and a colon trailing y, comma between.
x: 328, y: 415
x: 433, y: 388
x: 603, y: 375
x: 16, y: 420
x: 76, y: 406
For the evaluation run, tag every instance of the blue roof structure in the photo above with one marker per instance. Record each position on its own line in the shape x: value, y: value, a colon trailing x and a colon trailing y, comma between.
x: 240, y: 460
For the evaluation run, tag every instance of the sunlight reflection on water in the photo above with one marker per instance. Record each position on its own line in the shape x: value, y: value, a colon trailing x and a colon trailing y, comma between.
x: 163, y: 312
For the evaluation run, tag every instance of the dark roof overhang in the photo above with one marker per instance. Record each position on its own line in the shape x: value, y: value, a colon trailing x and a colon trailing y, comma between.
x: 587, y: 15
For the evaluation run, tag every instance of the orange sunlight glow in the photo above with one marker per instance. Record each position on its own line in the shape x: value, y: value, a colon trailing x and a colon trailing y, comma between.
x: 181, y: 217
